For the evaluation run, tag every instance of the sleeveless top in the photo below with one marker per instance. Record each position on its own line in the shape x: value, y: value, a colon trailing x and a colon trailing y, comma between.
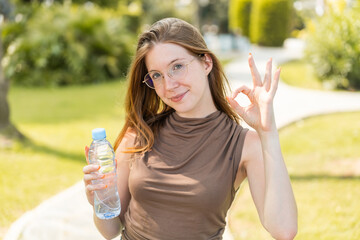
x: 183, y: 187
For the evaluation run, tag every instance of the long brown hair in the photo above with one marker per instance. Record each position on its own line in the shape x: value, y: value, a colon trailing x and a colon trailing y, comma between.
x: 145, y: 111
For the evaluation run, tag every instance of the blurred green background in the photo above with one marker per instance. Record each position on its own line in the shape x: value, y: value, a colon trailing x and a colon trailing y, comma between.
x: 63, y: 72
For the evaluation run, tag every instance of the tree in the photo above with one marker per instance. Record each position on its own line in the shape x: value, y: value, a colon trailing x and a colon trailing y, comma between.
x: 7, y: 129
x: 213, y: 12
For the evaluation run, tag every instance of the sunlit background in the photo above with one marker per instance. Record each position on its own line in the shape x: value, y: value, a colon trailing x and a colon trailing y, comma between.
x: 63, y: 72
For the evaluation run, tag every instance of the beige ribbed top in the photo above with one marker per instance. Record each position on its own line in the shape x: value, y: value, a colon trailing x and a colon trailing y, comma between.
x: 183, y: 188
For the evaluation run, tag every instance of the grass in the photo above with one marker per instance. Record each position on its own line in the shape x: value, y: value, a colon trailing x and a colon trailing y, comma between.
x: 225, y: 61
x: 300, y: 74
x: 321, y: 153
x: 58, y: 123
x: 322, y: 156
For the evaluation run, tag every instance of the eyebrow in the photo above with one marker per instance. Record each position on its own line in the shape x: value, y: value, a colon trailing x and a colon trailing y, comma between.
x: 176, y: 59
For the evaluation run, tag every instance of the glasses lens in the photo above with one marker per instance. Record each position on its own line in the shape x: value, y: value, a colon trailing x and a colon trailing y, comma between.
x: 178, y: 70
x: 148, y: 81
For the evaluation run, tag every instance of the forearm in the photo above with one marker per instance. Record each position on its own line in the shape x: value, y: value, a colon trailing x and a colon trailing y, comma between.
x: 109, y: 228
x: 280, y: 211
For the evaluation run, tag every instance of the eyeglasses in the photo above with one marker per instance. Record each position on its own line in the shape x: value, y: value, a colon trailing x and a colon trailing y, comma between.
x: 176, y: 71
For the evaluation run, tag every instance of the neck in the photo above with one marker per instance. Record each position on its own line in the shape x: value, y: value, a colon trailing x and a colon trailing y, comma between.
x: 198, y: 114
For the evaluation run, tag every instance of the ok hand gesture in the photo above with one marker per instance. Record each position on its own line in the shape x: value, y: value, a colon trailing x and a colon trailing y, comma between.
x: 260, y: 113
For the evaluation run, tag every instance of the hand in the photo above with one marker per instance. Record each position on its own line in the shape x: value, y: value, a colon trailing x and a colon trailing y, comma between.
x: 91, y: 173
x: 260, y: 113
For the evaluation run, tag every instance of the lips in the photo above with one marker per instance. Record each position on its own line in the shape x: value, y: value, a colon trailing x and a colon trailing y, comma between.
x: 178, y: 97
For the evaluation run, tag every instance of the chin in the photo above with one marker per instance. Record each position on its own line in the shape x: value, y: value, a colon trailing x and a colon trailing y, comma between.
x: 185, y: 110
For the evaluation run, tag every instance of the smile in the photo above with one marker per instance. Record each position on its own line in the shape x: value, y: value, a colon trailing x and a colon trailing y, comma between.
x: 179, y: 97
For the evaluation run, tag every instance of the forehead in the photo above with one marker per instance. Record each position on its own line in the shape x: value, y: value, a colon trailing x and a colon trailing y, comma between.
x: 164, y: 53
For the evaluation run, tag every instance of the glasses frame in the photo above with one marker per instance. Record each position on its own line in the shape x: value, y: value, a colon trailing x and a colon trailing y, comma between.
x: 168, y: 73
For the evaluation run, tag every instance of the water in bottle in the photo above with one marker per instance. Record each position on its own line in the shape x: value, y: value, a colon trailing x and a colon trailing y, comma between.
x: 106, y: 201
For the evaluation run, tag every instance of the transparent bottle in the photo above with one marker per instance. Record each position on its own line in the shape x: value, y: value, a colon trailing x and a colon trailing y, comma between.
x: 106, y: 201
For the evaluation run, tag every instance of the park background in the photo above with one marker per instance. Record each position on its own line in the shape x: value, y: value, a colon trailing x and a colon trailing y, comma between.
x: 63, y: 71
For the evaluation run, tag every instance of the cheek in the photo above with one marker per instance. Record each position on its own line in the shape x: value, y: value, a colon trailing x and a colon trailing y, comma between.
x: 199, y: 81
x: 161, y: 94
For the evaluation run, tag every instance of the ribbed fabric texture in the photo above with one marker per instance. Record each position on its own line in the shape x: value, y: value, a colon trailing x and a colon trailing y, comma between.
x: 183, y: 187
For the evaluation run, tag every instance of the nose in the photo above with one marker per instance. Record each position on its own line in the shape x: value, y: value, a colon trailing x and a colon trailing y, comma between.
x: 169, y: 82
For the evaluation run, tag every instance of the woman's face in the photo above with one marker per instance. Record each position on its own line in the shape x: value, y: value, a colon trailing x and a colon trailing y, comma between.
x: 188, y: 93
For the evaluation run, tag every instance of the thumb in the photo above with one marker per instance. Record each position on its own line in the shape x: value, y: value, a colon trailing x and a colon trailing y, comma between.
x: 87, y: 154
x: 234, y: 104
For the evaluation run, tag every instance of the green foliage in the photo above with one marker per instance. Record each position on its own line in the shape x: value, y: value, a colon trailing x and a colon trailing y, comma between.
x: 269, y: 23
x: 214, y: 12
x: 101, y: 3
x: 297, y: 23
x: 67, y: 44
x: 300, y: 73
x: 159, y: 9
x: 239, y: 16
x: 333, y: 48
x: 58, y: 122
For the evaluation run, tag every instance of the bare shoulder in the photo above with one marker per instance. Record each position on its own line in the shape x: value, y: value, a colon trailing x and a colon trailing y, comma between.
x: 123, y: 160
x: 251, y: 153
x: 126, y: 143
x: 252, y: 148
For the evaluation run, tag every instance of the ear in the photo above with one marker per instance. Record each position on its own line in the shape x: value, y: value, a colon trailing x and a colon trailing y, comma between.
x: 208, y: 63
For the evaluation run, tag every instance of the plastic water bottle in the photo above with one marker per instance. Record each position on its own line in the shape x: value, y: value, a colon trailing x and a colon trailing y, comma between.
x: 106, y: 201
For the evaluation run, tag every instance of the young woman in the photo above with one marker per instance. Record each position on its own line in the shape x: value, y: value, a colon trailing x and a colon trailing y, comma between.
x: 182, y: 154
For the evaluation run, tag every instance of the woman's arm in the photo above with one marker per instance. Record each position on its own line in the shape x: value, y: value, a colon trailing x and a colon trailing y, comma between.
x: 270, y: 185
x: 111, y: 228
x: 262, y: 161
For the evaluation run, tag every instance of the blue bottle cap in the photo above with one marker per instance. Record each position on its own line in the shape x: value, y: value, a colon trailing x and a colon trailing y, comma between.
x: 98, y: 133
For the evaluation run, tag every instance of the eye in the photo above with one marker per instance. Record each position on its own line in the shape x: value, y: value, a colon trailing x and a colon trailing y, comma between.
x: 178, y: 66
x: 155, y: 75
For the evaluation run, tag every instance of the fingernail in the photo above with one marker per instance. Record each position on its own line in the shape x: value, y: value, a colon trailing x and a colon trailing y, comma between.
x: 103, y: 176
x: 98, y: 168
x: 106, y: 186
x: 250, y: 54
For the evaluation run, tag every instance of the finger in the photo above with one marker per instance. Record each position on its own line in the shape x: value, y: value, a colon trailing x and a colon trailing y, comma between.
x: 267, y: 78
x: 275, y: 82
x: 238, y: 109
x: 90, y: 168
x: 254, y: 72
x: 243, y: 89
x: 93, y: 176
x: 91, y: 187
x: 87, y: 154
